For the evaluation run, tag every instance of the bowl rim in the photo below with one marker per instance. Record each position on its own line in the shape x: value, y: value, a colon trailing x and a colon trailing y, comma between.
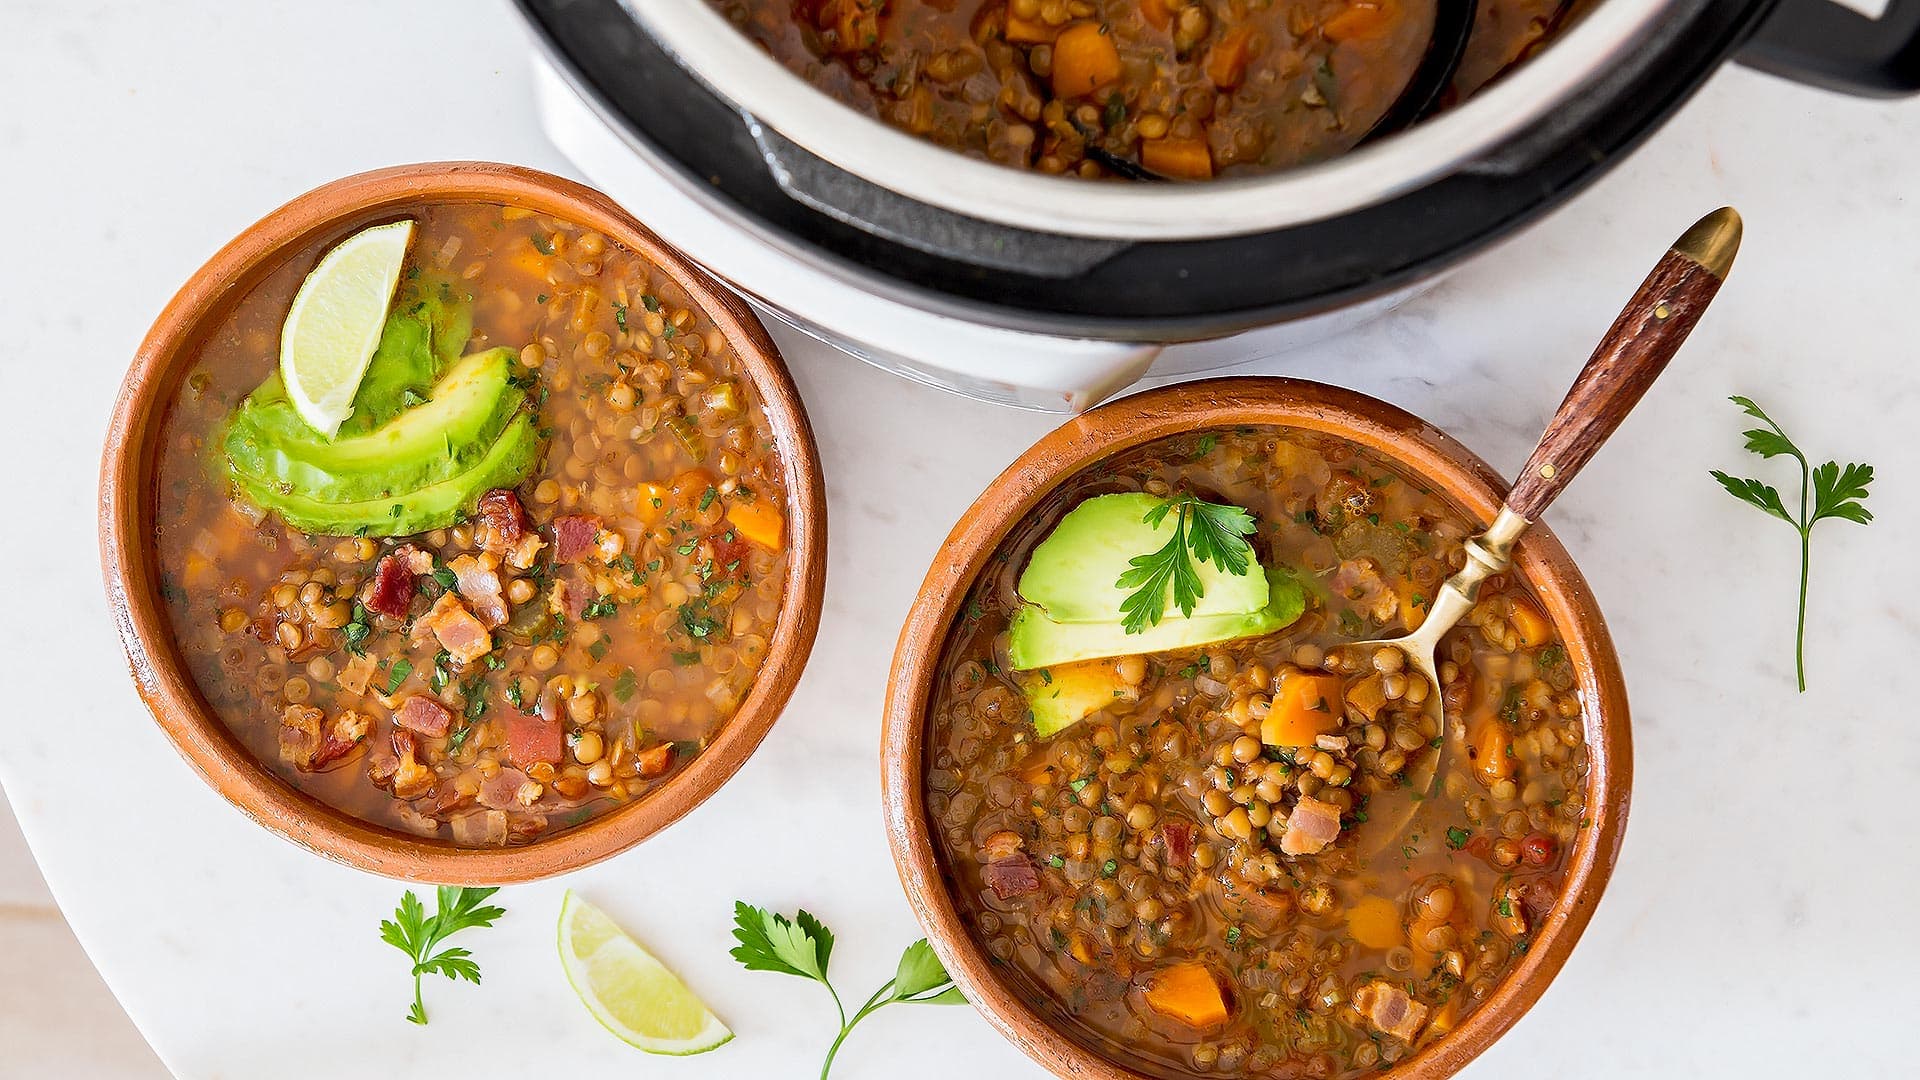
x: 1411, y: 444
x: 128, y: 559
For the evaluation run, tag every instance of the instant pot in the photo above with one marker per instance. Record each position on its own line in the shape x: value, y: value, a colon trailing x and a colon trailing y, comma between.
x: 1054, y: 293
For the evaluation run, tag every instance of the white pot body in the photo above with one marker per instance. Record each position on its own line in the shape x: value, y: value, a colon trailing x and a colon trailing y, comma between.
x: 1026, y: 370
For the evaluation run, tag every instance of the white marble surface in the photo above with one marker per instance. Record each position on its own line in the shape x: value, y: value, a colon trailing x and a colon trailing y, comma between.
x: 1756, y: 924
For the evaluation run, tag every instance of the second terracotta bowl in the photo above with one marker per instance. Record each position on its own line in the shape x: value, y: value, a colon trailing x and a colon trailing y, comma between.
x: 1419, y: 450
x: 127, y: 500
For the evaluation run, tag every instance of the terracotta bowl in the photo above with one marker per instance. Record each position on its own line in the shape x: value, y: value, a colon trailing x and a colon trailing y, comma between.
x: 1416, y: 447
x: 127, y: 500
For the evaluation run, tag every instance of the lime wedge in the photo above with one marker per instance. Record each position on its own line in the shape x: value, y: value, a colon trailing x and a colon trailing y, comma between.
x: 628, y: 991
x: 335, y: 323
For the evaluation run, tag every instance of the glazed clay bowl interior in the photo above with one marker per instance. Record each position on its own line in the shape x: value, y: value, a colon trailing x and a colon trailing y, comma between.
x: 127, y: 527
x: 1417, y: 449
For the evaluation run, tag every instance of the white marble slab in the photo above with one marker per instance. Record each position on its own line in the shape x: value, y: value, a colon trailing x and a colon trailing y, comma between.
x: 1757, y: 922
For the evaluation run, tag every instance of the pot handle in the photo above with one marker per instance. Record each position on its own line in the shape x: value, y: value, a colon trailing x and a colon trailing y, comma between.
x: 1832, y: 46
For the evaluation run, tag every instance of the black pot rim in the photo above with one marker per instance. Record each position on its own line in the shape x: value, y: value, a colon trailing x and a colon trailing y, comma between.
x: 1147, y: 291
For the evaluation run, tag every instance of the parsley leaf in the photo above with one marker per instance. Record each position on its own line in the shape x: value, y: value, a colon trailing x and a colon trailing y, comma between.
x: 414, y: 932
x: 1202, y: 531
x: 1837, y: 493
x: 802, y: 946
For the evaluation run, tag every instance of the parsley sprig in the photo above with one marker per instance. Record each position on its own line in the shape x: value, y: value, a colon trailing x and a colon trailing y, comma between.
x: 415, y: 933
x: 802, y: 945
x: 1837, y: 493
x: 1203, y: 531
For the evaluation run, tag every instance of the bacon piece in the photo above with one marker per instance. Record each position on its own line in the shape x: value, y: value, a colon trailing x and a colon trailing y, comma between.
x: 424, y: 715
x: 449, y: 799
x: 729, y: 554
x: 391, y: 590
x: 532, y: 739
x: 509, y: 789
x: 524, y: 552
x: 482, y: 828
x: 411, y: 779
x: 1178, y: 838
x: 1359, y: 580
x: 480, y: 586
x: 464, y: 637
x: 573, y: 536
x: 1311, y: 827
x: 1391, y: 1010
x: 1002, y: 844
x: 654, y: 762
x: 1011, y: 876
x: 503, y: 521
x: 299, y: 734
x: 569, y: 598
x: 342, y: 738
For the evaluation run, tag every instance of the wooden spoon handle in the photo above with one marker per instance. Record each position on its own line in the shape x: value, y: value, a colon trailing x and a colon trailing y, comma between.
x: 1635, y: 351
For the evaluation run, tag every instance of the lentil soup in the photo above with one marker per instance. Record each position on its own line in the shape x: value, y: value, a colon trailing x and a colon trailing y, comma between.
x: 564, y: 645
x: 1186, y: 89
x: 1261, y: 857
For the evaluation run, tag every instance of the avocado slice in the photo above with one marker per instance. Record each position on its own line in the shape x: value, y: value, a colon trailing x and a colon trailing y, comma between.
x: 426, y: 332
x: 508, y: 461
x: 421, y: 446
x: 270, y: 444
x: 1038, y: 641
x: 1062, y: 696
x: 1071, y: 573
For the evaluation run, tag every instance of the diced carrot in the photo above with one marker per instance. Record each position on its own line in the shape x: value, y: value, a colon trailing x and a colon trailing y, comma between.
x: 649, y: 502
x: 1227, y: 60
x: 530, y: 262
x: 759, y: 522
x: 1084, y: 60
x: 1182, y: 159
x: 1081, y: 947
x: 1362, y: 19
x: 1533, y: 627
x: 1492, y: 750
x: 199, y: 574
x: 653, y: 762
x: 1157, y: 13
x: 1375, y: 922
x: 1188, y: 993
x: 1029, y: 31
x: 1413, y: 606
x: 1307, y: 706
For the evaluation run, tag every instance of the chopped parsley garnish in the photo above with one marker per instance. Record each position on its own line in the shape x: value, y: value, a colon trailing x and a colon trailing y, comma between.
x: 401, y: 669
x: 1457, y: 838
x: 650, y: 302
x: 625, y: 685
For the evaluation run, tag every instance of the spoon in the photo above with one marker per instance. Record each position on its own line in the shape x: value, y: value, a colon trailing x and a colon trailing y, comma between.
x: 1636, y: 348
